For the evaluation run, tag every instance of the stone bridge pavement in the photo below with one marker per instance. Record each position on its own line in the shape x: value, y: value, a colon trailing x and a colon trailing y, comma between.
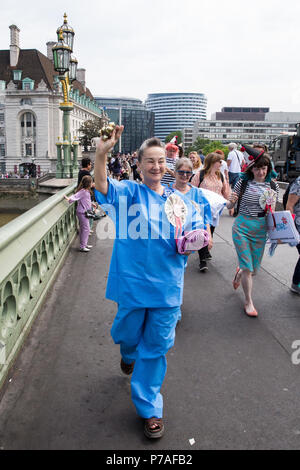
x: 230, y: 384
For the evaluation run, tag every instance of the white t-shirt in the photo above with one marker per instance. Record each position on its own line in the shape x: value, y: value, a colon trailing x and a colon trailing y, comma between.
x: 236, y: 158
x: 223, y: 168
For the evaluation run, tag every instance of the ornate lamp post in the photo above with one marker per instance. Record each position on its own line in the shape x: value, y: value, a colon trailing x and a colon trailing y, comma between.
x: 66, y: 66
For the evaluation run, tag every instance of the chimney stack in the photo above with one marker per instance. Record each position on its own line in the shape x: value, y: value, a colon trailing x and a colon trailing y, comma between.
x: 81, y: 77
x: 49, y: 45
x: 14, y: 45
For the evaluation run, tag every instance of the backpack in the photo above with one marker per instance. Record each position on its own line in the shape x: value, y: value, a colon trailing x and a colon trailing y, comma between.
x: 286, y: 194
x: 202, y: 178
x: 243, y: 189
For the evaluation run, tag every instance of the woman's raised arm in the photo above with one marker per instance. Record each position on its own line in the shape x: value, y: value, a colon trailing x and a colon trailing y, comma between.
x: 102, y: 149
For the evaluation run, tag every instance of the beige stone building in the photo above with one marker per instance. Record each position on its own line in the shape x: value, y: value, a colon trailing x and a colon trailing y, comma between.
x: 30, y: 118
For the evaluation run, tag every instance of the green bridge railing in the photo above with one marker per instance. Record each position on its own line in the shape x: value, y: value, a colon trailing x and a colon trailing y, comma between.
x: 32, y: 249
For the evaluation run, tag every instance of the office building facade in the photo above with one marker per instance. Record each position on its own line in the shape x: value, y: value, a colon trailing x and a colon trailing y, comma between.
x: 132, y: 113
x: 248, y: 131
x: 241, y: 114
x: 176, y: 111
x: 242, y: 131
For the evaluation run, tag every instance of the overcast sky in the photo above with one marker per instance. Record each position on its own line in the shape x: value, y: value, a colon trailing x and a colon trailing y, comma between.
x: 237, y: 53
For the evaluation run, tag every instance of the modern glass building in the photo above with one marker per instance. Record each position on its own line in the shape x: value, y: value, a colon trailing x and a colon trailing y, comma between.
x: 175, y: 111
x: 132, y: 113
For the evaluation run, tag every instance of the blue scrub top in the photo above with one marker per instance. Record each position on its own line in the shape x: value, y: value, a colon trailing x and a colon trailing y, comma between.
x: 146, y: 269
x: 195, y: 194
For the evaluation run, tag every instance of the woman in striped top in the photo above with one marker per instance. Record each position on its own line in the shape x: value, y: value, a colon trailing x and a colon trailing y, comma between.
x: 171, y: 157
x: 249, y: 231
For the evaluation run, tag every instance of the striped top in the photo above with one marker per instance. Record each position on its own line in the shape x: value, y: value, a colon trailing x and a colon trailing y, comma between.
x: 250, y: 200
x: 167, y: 178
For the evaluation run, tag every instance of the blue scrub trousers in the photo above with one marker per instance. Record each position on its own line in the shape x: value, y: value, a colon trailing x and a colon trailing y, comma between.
x: 145, y: 336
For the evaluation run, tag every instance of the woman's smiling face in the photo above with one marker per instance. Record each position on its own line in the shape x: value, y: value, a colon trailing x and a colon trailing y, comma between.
x: 183, y: 174
x: 153, y: 164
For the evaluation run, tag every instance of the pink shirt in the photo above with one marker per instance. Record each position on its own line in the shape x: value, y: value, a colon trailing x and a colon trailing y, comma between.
x: 83, y: 197
x: 214, y: 185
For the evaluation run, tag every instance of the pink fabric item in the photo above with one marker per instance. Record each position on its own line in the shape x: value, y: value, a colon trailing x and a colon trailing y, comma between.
x: 192, y: 241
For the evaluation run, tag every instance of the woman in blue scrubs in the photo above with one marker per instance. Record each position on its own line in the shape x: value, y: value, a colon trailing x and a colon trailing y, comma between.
x: 146, y: 272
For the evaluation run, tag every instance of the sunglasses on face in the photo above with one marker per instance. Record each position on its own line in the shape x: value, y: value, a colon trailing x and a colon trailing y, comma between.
x: 187, y: 173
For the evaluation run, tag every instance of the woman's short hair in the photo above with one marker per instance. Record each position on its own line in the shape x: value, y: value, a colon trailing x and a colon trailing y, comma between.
x: 264, y: 160
x: 183, y: 161
x: 152, y: 142
x: 171, y: 146
x: 220, y: 152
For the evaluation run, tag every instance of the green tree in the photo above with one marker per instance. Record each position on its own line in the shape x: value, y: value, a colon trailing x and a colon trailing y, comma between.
x: 198, y: 145
x: 88, y: 130
x: 189, y: 149
x: 172, y: 134
x: 207, y: 146
x: 214, y: 145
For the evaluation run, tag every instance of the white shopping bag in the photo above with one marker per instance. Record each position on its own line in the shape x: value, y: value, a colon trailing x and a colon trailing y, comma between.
x: 285, y: 229
x: 216, y: 202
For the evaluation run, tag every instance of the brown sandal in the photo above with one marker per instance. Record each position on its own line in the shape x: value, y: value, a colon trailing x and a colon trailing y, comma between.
x: 126, y: 368
x: 154, y: 428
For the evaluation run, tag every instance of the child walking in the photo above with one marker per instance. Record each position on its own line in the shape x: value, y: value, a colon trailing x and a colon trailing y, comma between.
x: 84, y: 203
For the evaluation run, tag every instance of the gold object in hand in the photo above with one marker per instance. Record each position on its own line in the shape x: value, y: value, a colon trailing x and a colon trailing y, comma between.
x: 106, y: 131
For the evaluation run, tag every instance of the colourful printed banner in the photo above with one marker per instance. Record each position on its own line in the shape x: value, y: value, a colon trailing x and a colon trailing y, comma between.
x: 285, y: 229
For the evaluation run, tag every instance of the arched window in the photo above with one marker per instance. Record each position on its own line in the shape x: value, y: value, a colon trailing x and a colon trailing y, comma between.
x: 28, y: 134
x: 28, y: 125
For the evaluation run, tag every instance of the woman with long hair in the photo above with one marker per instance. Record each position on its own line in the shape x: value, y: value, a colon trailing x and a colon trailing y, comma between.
x: 84, y: 203
x: 224, y: 167
x: 196, y: 161
x: 212, y: 179
x: 255, y: 192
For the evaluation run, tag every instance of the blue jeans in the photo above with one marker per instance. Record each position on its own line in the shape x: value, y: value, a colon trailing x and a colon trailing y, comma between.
x: 233, y: 178
x: 145, y: 335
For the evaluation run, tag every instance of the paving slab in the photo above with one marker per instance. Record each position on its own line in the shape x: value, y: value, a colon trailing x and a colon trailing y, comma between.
x: 230, y: 383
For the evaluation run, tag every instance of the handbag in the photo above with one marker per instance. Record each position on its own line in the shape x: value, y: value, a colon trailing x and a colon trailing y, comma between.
x: 192, y: 241
x: 90, y: 214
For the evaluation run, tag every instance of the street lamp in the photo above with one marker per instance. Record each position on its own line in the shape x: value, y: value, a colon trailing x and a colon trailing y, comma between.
x: 73, y: 69
x: 67, y: 32
x: 66, y: 66
x: 61, y: 55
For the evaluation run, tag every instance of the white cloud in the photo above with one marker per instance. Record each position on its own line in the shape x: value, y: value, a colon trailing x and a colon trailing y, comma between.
x: 237, y: 53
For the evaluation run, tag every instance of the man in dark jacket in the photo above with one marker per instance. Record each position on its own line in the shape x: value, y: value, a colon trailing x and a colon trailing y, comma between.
x: 86, y: 166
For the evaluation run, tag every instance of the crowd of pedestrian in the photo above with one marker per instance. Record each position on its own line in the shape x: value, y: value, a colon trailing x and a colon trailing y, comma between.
x: 17, y: 174
x: 146, y: 276
x: 123, y: 166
